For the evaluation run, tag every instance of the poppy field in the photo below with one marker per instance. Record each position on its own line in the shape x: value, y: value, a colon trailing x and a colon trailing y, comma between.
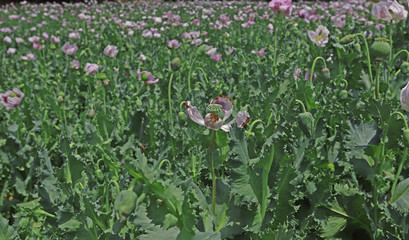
x: 204, y: 120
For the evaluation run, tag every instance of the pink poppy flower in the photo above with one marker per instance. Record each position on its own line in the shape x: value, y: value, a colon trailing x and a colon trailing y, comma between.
x: 195, y: 22
x: 212, y: 120
x: 283, y: 6
x: 45, y: 35
x: 11, y: 51
x: 34, y: 39
x: 297, y: 73
x: 404, y: 97
x: 174, y: 44
x: 19, y: 40
x: 320, y: 36
x: 389, y: 11
x: 259, y: 53
x: 55, y: 39
x: 142, y: 57
x: 11, y: 99
x: 75, y: 64
x: 270, y: 28
x: 111, y: 51
x: 91, y: 68
x: 29, y: 57
x: 147, y: 77
x: 216, y: 57
x: 147, y: 34
x: 308, y: 76
x: 7, y: 39
x: 230, y: 50
x: 69, y: 49
x: 37, y: 46
x: 74, y: 35
x: 197, y: 41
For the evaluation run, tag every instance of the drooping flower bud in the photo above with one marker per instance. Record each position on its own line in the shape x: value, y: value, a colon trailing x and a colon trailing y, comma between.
x: 380, y: 49
x: 125, y: 203
x: 175, y: 64
x: 306, y: 123
x: 182, y: 116
x: 344, y: 94
x: 326, y: 74
x: 201, y: 50
x: 347, y: 39
x: 405, y: 67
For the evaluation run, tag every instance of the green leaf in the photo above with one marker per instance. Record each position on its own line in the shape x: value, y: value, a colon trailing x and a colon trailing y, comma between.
x: 6, y: 231
x: 333, y: 226
x: 361, y: 134
x: 161, y: 234
x: 400, y: 198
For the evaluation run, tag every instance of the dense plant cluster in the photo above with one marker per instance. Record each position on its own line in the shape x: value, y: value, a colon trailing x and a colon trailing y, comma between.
x: 204, y: 120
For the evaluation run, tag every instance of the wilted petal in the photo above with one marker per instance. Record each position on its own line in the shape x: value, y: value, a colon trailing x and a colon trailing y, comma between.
x: 242, y: 119
x: 226, y: 103
x: 404, y: 97
x: 194, y: 114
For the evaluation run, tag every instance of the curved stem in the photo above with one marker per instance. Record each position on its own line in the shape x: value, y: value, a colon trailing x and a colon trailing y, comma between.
x: 367, y: 54
x: 162, y: 162
x: 204, y: 74
x: 346, y: 83
x: 397, y: 54
x: 302, y: 104
x: 212, y: 172
x: 313, y: 67
x: 189, y: 75
x: 252, y: 126
x: 181, y: 104
x: 403, y: 118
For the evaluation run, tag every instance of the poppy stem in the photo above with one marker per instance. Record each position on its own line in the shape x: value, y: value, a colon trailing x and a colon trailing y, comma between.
x: 170, y: 112
x: 313, y: 67
x: 367, y: 54
x: 212, y: 172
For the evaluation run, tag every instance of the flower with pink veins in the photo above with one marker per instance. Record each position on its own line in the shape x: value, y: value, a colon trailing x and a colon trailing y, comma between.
x: 69, y: 49
x: 221, y: 105
x: 74, y: 35
x: 11, y: 99
x: 111, y: 51
x: 7, y: 39
x: 320, y: 36
x: 259, y: 53
x: 75, y: 64
x: 283, y: 6
x: 55, y: 39
x: 147, y: 77
x: 174, y: 44
x: 91, y: 68
x: 389, y: 11
x: 216, y: 57
x: 29, y: 57
x: 11, y: 51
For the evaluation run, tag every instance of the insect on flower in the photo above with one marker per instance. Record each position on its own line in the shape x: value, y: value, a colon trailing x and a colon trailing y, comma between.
x: 221, y: 105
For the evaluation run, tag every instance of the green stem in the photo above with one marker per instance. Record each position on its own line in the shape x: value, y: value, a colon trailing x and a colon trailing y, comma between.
x: 302, y: 105
x: 204, y: 74
x: 367, y: 54
x: 170, y: 102
x: 403, y: 118
x: 189, y: 76
x: 162, y: 162
x: 252, y: 125
x: 397, y: 54
x: 403, y: 160
x: 313, y: 67
x: 378, y: 68
x: 180, y: 105
x: 212, y: 172
x: 275, y: 52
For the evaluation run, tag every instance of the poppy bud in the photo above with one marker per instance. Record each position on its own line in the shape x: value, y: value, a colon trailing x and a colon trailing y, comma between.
x: 347, y: 39
x: 201, y: 50
x: 357, y: 47
x: 138, y: 102
x: 344, y: 94
x: 182, y: 116
x: 405, y: 67
x: 91, y: 113
x: 175, y: 64
x: 380, y: 49
x: 125, y: 203
x: 100, y: 174
x: 60, y: 99
x: 326, y: 74
x: 306, y: 123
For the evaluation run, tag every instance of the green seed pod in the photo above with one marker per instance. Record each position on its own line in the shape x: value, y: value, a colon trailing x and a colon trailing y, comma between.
x: 125, y: 204
x: 182, y: 116
x: 175, y: 64
x: 326, y: 74
x: 405, y: 67
x: 344, y: 94
x: 100, y: 175
x: 201, y: 50
x: 406, y: 135
x: 306, y: 123
x: 60, y: 99
x: 144, y: 76
x: 138, y: 102
x: 380, y: 49
x: 347, y: 39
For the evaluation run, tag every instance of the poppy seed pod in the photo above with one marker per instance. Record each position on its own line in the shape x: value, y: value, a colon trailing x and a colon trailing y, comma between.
x: 380, y: 49
x: 175, y: 64
x: 344, y: 94
x: 347, y: 39
x: 405, y: 67
x: 144, y: 76
x: 201, y: 50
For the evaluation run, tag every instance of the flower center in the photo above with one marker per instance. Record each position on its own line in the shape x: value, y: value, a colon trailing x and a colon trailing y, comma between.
x: 214, y: 117
x: 318, y: 38
x: 13, y: 95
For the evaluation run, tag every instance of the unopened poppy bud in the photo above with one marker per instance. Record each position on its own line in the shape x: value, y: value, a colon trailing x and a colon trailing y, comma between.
x: 175, y: 64
x: 91, y: 113
x: 60, y: 99
x: 344, y: 94
x: 380, y: 49
x: 144, y: 76
x: 306, y: 123
x: 326, y: 74
x: 106, y: 82
x: 405, y: 67
x: 100, y: 174
x: 125, y: 204
x: 182, y: 116
x: 138, y: 102
x: 201, y: 50
x: 357, y: 47
x: 347, y: 39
